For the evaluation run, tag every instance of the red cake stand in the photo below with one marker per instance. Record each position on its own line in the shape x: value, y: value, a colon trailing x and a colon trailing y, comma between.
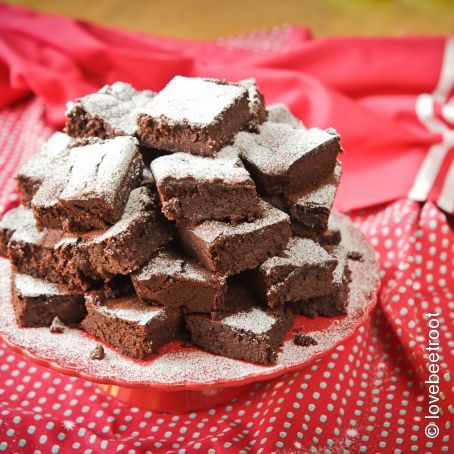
x: 183, y: 378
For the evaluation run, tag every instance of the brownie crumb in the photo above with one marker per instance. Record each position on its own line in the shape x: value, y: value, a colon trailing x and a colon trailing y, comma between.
x: 98, y: 352
x: 355, y: 255
x: 304, y: 340
x: 57, y: 326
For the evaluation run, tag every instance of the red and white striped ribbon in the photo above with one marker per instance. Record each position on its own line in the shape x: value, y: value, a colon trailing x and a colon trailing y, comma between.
x: 438, y: 154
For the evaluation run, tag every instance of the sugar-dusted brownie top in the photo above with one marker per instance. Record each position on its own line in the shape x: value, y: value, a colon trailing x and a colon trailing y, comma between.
x: 283, y: 159
x: 117, y: 106
x: 254, y: 320
x: 31, y: 287
x: 170, y: 279
x: 280, y: 113
x: 257, y: 108
x: 172, y: 264
x: 300, y: 252
x: 210, y: 231
x: 37, y: 167
x: 303, y: 270
x: 131, y: 309
x: 196, y: 189
x: 181, y: 166
x: 31, y: 175
x: 99, y: 170
x: 321, y: 196
x: 11, y: 221
x: 279, y: 146
x: 194, y: 101
x: 128, y: 244
x: 91, y: 187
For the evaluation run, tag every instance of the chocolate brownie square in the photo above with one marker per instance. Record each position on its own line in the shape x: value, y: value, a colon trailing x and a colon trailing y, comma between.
x: 336, y: 301
x: 10, y: 222
x: 229, y: 249
x: 91, y: 189
x: 32, y: 174
x: 251, y: 334
x: 257, y: 110
x: 131, y: 326
x: 172, y: 280
x: 111, y: 112
x: 195, y: 189
x: 125, y: 246
x: 194, y: 115
x: 280, y: 113
x: 303, y: 270
x: 310, y: 208
x: 283, y: 160
x: 37, y: 302
x: 36, y: 253
x: 331, y: 236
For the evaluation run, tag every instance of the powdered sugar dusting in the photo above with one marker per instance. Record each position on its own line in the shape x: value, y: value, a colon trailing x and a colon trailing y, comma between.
x: 169, y: 263
x: 99, y: 169
x: 322, y: 195
x: 131, y: 309
x: 185, y: 165
x: 119, y: 105
x: 16, y: 218
x: 176, y: 365
x: 195, y: 101
x: 280, y: 113
x: 37, y: 167
x: 33, y: 287
x: 279, y: 146
x: 210, y: 230
x: 256, y: 321
x: 300, y: 252
x: 138, y: 205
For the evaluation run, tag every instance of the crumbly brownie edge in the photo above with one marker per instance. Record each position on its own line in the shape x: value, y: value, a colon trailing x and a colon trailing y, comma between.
x: 202, y: 141
x: 80, y: 123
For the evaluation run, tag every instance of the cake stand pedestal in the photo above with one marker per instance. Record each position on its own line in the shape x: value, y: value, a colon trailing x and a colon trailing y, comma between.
x: 181, y: 378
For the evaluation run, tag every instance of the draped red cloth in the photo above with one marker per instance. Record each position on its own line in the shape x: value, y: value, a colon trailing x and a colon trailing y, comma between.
x: 391, y: 100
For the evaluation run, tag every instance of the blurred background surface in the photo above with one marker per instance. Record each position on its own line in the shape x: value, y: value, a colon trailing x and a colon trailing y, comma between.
x: 209, y: 19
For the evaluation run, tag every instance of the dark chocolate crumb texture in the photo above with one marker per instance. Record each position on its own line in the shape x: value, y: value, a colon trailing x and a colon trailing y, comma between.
x: 195, y: 213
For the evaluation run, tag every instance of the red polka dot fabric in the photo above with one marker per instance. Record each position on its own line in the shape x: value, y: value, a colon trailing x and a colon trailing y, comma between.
x: 368, y: 395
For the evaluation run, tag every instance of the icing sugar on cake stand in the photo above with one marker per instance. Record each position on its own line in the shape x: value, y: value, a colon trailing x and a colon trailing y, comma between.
x: 184, y: 378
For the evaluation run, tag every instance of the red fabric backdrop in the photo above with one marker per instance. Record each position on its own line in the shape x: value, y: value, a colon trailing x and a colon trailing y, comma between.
x: 390, y: 100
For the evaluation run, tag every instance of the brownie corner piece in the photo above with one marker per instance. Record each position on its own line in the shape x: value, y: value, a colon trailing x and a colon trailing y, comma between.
x: 12, y: 220
x: 37, y: 302
x: 110, y: 112
x: 33, y: 172
x: 280, y: 113
x: 129, y: 243
x: 310, y: 208
x: 251, y: 333
x: 172, y: 280
x: 334, y: 302
x: 91, y: 188
x: 194, y: 115
x: 257, y: 110
x: 195, y: 189
x: 302, y: 270
x: 282, y: 159
x: 131, y: 326
x: 229, y: 249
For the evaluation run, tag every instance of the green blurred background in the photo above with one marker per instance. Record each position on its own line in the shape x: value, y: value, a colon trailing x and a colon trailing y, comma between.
x: 208, y: 19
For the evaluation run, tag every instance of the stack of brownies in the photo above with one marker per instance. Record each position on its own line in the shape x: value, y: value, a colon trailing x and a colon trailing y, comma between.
x: 193, y: 214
